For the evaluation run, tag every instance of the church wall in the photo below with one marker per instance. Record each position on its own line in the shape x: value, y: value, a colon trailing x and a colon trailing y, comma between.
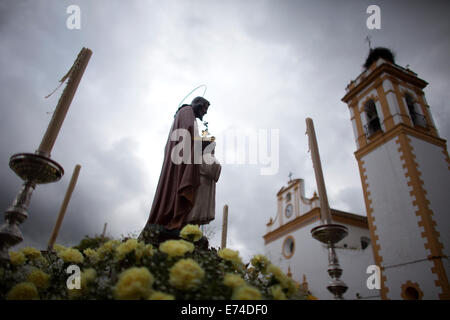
x: 419, y: 273
x: 355, y: 133
x: 395, y: 221
x: 430, y: 115
x: 353, y: 239
x: 311, y: 259
x: 354, y: 263
x: 308, y: 258
x: 435, y: 175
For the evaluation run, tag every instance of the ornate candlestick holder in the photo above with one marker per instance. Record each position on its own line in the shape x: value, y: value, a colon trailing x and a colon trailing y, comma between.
x: 330, y: 234
x: 33, y: 169
x: 38, y: 168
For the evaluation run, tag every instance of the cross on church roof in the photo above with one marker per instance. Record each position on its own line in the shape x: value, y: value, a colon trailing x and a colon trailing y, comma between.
x: 369, y: 42
x: 290, y: 176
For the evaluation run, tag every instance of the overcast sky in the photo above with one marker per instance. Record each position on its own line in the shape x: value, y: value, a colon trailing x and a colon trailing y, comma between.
x: 267, y: 65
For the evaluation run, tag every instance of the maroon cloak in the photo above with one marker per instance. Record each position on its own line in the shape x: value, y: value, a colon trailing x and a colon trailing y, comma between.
x: 175, y: 194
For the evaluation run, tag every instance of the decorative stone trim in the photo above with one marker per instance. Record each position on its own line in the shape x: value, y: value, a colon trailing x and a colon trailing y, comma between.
x: 372, y: 228
x: 414, y: 285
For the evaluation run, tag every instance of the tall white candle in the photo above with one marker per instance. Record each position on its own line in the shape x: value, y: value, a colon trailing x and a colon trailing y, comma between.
x: 325, y: 214
x: 64, y: 102
x: 224, y: 226
x: 65, y: 203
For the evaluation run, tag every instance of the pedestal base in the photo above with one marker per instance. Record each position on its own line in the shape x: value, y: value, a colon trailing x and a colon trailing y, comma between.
x: 330, y: 234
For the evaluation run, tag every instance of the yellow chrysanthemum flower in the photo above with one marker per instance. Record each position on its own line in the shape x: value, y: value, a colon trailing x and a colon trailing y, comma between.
x: 91, y: 254
x: 260, y: 261
x: 186, y: 274
x: 134, y: 283
x: 158, y: 295
x: 108, y: 248
x: 144, y: 250
x: 126, y: 247
x: 71, y: 255
x: 233, y: 280
x: 230, y: 255
x: 246, y: 293
x: 175, y: 248
x: 87, y: 276
x: 39, y: 278
x: 31, y: 253
x: 283, y: 279
x: 23, y: 291
x: 277, y: 292
x: 59, y: 247
x: 191, y: 232
x: 17, y: 258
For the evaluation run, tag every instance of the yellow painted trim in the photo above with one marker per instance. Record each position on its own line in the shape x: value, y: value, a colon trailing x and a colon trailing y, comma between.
x: 411, y: 284
x: 312, y: 216
x: 363, y: 102
x: 293, y: 225
x: 359, y: 128
x: 372, y: 229
x: 292, y: 184
x: 404, y: 114
x: 361, y: 223
x: 447, y: 158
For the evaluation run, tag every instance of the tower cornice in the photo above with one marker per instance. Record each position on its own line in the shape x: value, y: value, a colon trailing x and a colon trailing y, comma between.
x: 383, y: 137
x: 373, y: 74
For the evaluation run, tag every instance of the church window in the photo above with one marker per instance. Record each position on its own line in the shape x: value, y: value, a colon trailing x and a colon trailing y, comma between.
x: 364, y: 242
x: 288, y: 211
x: 288, y: 247
x: 417, y: 118
x: 411, y: 293
x: 288, y: 197
x: 373, y: 121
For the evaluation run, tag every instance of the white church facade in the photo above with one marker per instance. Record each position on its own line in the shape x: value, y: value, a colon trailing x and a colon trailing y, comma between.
x: 290, y: 245
x: 405, y: 174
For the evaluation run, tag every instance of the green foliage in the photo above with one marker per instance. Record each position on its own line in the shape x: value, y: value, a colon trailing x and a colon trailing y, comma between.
x: 92, y: 243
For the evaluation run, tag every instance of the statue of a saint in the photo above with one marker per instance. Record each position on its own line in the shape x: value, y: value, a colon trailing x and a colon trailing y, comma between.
x: 204, y: 208
x: 186, y: 187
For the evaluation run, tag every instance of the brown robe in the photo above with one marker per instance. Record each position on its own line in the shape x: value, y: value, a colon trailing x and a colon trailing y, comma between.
x: 175, y: 194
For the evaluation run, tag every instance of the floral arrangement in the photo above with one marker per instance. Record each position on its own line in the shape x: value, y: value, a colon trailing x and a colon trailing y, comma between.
x: 131, y: 269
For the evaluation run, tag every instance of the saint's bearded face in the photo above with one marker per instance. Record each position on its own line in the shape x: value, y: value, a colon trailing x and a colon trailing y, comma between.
x: 200, y: 110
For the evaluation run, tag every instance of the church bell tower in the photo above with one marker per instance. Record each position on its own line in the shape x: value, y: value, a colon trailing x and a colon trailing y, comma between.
x: 405, y: 173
